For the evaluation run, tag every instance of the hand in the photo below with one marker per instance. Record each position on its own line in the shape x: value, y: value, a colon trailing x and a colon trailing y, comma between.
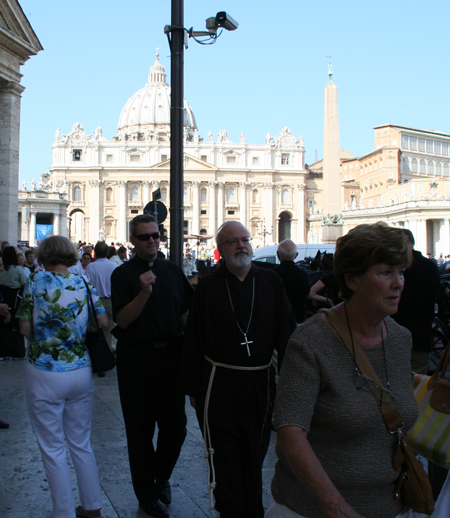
x: 192, y: 401
x: 147, y: 280
x: 4, y: 310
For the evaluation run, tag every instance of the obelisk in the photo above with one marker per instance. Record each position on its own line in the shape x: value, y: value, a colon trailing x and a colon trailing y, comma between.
x: 332, y: 208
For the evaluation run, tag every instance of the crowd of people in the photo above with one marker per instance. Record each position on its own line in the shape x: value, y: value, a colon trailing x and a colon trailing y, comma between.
x: 244, y: 348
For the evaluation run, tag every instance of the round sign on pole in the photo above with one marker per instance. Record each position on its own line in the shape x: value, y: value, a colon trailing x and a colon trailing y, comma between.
x: 160, y: 213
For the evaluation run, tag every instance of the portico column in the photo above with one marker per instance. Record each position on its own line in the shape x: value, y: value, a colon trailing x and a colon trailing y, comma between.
x: 145, y: 193
x: 220, y: 204
x: 94, y: 216
x: 301, y: 216
x: 63, y: 224
x: 268, y: 211
x: 122, y: 237
x: 32, y: 234
x: 444, y: 237
x: 56, y: 224
x: 421, y: 236
x: 195, y: 208
x: 243, y: 203
x: 212, y: 208
x: 9, y: 160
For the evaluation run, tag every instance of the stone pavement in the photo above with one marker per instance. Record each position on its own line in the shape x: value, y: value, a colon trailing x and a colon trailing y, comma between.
x: 24, y: 491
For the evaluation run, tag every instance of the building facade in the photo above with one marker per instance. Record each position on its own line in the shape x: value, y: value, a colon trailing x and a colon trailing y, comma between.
x: 108, y: 182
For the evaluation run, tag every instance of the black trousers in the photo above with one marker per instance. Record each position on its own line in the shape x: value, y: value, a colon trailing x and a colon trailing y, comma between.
x: 149, y: 395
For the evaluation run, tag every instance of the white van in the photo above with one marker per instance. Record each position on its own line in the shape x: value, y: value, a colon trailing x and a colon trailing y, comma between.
x: 268, y: 254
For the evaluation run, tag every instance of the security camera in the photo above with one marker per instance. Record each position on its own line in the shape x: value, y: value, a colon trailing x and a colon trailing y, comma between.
x: 211, y: 24
x: 224, y: 20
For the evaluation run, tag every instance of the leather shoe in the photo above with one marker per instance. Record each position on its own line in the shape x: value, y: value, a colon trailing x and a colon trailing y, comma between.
x: 164, y: 491
x: 155, y: 509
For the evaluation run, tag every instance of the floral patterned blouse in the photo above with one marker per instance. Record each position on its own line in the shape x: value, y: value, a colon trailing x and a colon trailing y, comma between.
x: 57, y: 305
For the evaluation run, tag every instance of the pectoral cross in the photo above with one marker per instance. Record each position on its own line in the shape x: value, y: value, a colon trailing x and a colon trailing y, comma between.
x: 247, y: 342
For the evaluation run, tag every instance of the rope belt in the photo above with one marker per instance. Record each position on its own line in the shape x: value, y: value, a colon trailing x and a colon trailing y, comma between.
x: 209, y: 450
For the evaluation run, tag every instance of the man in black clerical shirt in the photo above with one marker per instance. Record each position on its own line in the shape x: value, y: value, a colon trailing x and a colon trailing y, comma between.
x: 296, y: 280
x: 239, y: 316
x: 150, y: 299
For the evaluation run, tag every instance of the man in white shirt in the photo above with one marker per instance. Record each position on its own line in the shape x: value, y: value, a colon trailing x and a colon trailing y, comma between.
x: 99, y: 273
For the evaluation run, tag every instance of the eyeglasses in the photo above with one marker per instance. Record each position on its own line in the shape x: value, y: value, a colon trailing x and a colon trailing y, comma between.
x: 146, y: 237
x: 234, y: 241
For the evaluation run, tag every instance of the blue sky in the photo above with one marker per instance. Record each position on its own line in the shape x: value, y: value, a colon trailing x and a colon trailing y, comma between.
x: 390, y: 63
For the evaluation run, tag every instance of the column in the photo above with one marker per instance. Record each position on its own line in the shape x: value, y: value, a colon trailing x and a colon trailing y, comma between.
x: 32, y: 238
x: 122, y: 235
x: 421, y: 236
x: 243, y: 203
x: 195, y: 208
x: 56, y: 224
x: 212, y: 208
x: 94, y: 213
x: 64, y: 230
x: 9, y: 161
x: 145, y: 193
x: 268, y: 209
x: 444, y: 244
x: 220, y: 204
x: 301, y: 216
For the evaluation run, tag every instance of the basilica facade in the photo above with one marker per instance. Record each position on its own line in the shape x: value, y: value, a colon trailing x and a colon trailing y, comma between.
x: 108, y: 182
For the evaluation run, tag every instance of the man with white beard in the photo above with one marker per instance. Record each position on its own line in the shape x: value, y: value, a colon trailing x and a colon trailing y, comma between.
x: 239, y: 316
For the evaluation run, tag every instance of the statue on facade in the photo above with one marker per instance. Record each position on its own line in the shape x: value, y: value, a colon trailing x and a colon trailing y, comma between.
x: 242, y: 137
x: 211, y: 137
x: 101, y: 234
x: 220, y: 136
x: 196, y: 136
x: 268, y: 138
x: 57, y: 135
x: 33, y: 185
x: 24, y: 185
x: 45, y: 183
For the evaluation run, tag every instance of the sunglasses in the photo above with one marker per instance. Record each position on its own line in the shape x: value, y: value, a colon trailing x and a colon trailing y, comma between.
x: 146, y: 237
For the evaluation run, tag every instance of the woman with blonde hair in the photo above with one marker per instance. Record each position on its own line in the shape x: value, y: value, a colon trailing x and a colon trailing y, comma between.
x: 54, y: 317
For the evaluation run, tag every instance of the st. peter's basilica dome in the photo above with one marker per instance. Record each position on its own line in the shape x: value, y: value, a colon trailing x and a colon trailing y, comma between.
x: 146, y: 115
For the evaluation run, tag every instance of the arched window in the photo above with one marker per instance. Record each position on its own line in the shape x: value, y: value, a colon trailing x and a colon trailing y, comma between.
x: 230, y: 195
x: 163, y: 194
x: 203, y: 194
x: 108, y: 228
x: 134, y: 194
x: 255, y: 196
x: 438, y: 169
x: 446, y: 169
x: 285, y: 196
x: 414, y: 165
x: 423, y: 166
x: 77, y: 193
x: 406, y: 163
x: 431, y: 167
x: 109, y: 194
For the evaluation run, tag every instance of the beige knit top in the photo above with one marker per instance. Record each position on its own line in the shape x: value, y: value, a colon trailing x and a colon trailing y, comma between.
x: 320, y: 392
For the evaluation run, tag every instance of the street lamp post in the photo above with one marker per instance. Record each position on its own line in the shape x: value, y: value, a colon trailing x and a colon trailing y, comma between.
x: 264, y: 232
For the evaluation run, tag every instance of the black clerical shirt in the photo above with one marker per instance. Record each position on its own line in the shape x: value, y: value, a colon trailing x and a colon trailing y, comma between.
x: 159, y: 320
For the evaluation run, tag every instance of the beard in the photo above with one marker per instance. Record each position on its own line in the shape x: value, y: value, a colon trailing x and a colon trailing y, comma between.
x: 240, y: 260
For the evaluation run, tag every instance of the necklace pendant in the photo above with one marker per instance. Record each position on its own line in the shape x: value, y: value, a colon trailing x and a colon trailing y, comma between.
x: 247, y: 342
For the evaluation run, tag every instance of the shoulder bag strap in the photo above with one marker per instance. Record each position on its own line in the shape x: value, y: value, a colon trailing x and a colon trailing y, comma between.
x: 92, y: 302
x: 390, y: 414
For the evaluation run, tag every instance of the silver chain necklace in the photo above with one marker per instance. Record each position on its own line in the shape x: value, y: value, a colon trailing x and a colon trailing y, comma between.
x: 246, y: 341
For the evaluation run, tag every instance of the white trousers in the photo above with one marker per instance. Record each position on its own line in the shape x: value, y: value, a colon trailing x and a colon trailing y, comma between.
x: 281, y: 511
x: 442, y: 507
x: 60, y: 406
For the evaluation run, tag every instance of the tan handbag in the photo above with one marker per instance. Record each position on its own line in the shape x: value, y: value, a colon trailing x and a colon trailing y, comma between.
x: 413, y: 486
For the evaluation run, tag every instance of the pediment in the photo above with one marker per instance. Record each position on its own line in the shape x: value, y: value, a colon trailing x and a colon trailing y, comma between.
x: 16, y: 32
x: 191, y: 163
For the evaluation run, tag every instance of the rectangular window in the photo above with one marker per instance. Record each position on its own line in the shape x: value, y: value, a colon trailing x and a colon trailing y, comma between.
x: 255, y: 160
x: 203, y: 212
x: 109, y: 158
x: 445, y: 148
x: 204, y: 158
x: 134, y: 211
x: 285, y: 158
x: 135, y: 158
x: 231, y: 159
x: 163, y: 158
x: 405, y: 142
x: 422, y: 145
x: 437, y: 147
x: 413, y: 143
x: 76, y: 155
x: 163, y: 195
x: 430, y: 147
x: 230, y: 212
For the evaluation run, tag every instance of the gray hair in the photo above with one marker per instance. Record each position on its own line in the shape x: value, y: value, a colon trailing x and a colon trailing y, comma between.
x: 287, y: 254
